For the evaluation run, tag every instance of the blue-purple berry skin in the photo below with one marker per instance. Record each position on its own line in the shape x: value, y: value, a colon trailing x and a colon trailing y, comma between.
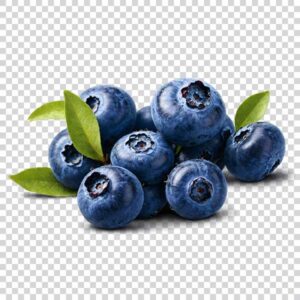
x: 146, y: 154
x: 144, y: 119
x: 68, y: 165
x: 188, y: 112
x: 154, y: 200
x: 212, y: 150
x: 110, y: 197
x: 254, y: 151
x: 196, y: 189
x: 114, y: 109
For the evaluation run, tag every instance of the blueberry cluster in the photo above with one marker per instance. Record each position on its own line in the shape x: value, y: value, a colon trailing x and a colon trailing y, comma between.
x: 170, y: 154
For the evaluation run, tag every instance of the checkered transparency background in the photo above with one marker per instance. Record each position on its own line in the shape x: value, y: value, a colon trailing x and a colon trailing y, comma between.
x: 251, y: 248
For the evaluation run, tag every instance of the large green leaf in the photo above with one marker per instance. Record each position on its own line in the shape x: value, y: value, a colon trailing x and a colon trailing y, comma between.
x: 41, y: 181
x: 54, y: 110
x: 83, y: 127
x: 252, y: 109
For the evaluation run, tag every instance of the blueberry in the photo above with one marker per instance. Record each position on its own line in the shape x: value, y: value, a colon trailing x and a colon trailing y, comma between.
x: 68, y: 165
x: 144, y: 153
x: 110, y: 197
x: 144, y: 119
x: 154, y: 200
x: 114, y: 109
x: 212, y: 150
x: 188, y: 112
x: 196, y: 189
x: 254, y: 151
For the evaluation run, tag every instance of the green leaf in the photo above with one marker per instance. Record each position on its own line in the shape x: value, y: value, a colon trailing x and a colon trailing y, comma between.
x: 252, y: 109
x: 41, y: 181
x: 54, y: 110
x: 83, y: 127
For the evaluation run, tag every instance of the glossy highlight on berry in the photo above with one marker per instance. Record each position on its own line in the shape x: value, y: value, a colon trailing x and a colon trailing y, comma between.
x: 196, y: 189
x: 188, y: 112
x: 110, y: 197
x: 255, y: 151
x: 68, y: 165
x: 146, y: 154
x: 114, y: 109
x: 170, y: 154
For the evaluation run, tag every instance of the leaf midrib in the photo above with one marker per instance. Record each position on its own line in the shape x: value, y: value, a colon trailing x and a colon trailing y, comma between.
x: 254, y: 106
x: 244, y: 121
x: 85, y: 133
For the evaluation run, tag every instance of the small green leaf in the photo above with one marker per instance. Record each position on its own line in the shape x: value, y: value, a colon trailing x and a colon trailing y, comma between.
x: 54, y: 110
x: 83, y: 127
x: 252, y: 109
x: 41, y: 181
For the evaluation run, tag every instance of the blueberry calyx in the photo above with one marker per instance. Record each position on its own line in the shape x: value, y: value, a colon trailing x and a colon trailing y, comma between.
x: 71, y: 156
x: 97, y: 184
x: 140, y: 142
x: 196, y: 95
x: 200, y: 189
x: 93, y: 102
x: 241, y: 135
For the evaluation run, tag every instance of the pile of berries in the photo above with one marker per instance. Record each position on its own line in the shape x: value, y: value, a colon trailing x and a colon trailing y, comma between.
x: 170, y: 154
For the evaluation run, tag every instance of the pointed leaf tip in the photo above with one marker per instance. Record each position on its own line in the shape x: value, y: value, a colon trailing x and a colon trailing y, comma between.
x: 252, y: 109
x: 68, y: 93
x: 41, y: 181
x: 54, y: 110
x: 83, y: 127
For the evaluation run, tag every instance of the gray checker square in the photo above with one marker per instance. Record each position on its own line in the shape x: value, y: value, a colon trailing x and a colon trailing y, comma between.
x: 250, y: 250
